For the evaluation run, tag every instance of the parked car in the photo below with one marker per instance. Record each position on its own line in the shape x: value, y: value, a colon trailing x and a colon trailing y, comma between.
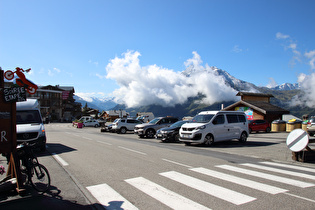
x: 106, y: 128
x: 170, y: 133
x: 145, y: 116
x: 258, y: 125
x: 311, y: 126
x: 86, y: 118
x: 101, y: 122
x: 149, y: 129
x: 121, y: 125
x: 91, y: 123
x: 211, y: 126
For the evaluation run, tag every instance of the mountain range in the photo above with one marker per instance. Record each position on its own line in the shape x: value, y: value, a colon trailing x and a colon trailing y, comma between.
x: 282, y: 94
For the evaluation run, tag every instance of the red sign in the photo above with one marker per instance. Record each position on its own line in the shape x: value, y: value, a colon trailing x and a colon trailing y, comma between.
x: 65, y: 95
x: 29, y: 86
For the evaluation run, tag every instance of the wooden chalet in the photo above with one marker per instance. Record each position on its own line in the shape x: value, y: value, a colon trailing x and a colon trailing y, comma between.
x: 257, y: 106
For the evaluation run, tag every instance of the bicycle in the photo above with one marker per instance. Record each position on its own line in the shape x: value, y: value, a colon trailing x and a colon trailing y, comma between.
x: 36, y: 173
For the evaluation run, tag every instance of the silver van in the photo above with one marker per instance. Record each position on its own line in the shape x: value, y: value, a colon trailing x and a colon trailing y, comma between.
x: 213, y: 126
x: 29, y: 124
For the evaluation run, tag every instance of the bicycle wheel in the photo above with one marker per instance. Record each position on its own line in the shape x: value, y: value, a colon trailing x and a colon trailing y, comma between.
x: 40, y: 178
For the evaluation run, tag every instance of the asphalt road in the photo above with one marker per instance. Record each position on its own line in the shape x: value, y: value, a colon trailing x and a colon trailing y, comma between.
x: 125, y: 172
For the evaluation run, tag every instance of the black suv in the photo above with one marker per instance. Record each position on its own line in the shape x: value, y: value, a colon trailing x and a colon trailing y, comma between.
x: 149, y: 129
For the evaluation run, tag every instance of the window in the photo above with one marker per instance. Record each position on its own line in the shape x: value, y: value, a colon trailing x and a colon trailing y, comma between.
x: 173, y: 120
x: 232, y: 118
x: 202, y: 118
x: 241, y: 118
x: 28, y: 117
x: 218, y: 120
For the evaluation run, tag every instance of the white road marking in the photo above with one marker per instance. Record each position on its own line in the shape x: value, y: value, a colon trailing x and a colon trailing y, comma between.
x: 290, y: 166
x: 102, y: 142
x: 169, y: 198
x: 177, y: 163
x: 267, y: 176
x: 109, y: 198
x: 292, y: 173
x: 87, y: 138
x: 211, y: 189
x: 244, y: 182
x: 307, y: 199
x: 59, y: 159
x: 142, y: 153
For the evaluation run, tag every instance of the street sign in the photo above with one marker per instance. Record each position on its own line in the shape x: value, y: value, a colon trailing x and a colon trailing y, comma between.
x: 297, y: 140
x: 7, y: 122
x: 14, y: 94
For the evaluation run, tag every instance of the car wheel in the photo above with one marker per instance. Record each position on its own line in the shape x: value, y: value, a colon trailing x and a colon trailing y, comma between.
x: 268, y: 130
x: 150, y: 133
x: 176, y: 138
x: 209, y: 140
x: 123, y: 130
x: 243, y: 137
x: 250, y: 130
x: 96, y: 126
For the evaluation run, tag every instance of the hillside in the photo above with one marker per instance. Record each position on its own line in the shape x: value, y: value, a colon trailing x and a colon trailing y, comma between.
x: 283, y: 95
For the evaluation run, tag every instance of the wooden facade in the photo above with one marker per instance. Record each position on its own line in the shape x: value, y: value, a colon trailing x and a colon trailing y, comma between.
x: 257, y: 106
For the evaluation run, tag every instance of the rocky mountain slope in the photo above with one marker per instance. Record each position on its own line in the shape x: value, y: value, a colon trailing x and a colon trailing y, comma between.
x: 283, y: 94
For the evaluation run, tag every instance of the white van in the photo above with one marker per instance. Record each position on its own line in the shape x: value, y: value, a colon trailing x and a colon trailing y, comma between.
x: 29, y: 124
x: 212, y: 126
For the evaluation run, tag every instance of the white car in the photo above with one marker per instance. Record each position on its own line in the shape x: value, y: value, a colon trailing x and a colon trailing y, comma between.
x: 212, y: 126
x: 91, y: 123
x: 124, y: 125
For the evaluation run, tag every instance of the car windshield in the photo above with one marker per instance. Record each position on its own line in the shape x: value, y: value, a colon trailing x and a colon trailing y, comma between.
x: 154, y: 121
x: 178, y: 124
x: 202, y: 118
x: 27, y: 117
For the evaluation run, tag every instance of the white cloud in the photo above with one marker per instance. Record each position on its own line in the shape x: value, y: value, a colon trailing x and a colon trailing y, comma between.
x: 311, y: 56
x: 291, y: 45
x: 281, y: 36
x: 57, y: 70
x: 85, y: 96
x: 140, y: 86
x: 237, y: 49
x: 100, y: 76
x: 50, y: 73
x: 93, y: 62
x: 272, y: 83
x: 307, y: 86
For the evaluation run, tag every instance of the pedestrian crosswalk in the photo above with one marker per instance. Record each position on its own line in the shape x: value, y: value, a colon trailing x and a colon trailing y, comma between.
x: 246, y: 175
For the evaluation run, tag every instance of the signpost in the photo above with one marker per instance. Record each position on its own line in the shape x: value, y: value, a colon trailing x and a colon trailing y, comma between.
x: 8, y: 98
x: 297, y: 141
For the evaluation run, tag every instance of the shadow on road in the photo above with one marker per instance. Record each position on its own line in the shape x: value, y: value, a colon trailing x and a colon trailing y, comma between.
x: 31, y: 199
x: 58, y: 149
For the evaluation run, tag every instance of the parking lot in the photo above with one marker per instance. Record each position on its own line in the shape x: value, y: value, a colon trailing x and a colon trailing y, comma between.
x: 268, y: 146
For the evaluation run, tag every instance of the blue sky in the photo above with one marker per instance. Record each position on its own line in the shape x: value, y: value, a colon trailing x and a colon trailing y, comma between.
x: 76, y: 42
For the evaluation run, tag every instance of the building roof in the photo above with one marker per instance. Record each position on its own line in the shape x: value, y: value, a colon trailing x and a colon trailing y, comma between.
x: 254, y: 94
x: 57, y: 87
x: 261, y: 106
